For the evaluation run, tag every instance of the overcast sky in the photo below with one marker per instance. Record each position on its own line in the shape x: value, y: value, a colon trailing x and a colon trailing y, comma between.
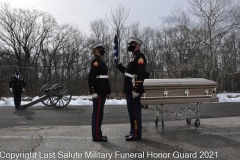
x: 82, y: 12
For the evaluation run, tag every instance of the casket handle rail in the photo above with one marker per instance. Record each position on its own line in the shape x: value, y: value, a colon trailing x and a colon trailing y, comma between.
x: 144, y: 95
x: 186, y: 91
x: 206, y: 91
x: 165, y: 92
x: 215, y: 92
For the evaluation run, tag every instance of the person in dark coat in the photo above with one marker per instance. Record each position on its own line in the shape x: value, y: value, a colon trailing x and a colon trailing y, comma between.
x: 99, y: 87
x: 17, y: 86
x: 135, y: 73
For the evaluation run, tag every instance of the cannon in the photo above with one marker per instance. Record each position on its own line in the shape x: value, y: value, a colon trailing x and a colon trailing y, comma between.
x: 57, y: 95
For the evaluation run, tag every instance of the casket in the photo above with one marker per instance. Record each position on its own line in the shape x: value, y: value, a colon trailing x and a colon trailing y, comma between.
x: 175, y: 91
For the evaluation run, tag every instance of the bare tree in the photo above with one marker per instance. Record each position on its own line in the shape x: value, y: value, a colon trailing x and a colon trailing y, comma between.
x: 117, y: 20
x: 22, y: 33
x: 52, y: 53
x: 212, y: 18
x: 75, y: 58
x: 99, y: 29
x: 150, y: 48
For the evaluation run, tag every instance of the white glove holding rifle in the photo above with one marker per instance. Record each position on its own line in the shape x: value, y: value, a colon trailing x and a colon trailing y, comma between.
x: 134, y: 94
x: 94, y: 95
x: 11, y: 89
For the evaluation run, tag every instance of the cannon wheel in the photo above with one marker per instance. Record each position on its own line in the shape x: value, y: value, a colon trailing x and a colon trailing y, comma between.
x: 46, y: 102
x: 156, y: 121
x: 162, y: 124
x: 60, y: 95
x: 197, y: 123
x: 188, y: 120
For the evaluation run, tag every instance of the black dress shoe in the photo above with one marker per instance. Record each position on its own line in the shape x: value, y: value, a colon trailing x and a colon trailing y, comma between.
x: 130, y: 138
x: 104, y: 137
x: 127, y: 136
x: 100, y: 140
x: 17, y: 107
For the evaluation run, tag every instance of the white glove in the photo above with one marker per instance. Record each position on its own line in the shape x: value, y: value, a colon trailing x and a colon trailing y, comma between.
x: 11, y: 89
x: 23, y: 89
x: 94, y: 95
x: 134, y: 94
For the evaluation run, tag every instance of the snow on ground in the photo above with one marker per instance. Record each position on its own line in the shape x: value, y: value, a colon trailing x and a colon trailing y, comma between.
x: 76, y: 100
x: 85, y: 100
x: 229, y: 97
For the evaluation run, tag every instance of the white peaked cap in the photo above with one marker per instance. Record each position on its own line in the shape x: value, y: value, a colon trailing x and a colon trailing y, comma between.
x: 135, y: 39
x: 97, y: 44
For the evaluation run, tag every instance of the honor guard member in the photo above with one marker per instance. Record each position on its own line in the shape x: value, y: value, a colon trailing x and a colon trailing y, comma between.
x: 133, y: 87
x: 99, y: 87
x: 17, y: 86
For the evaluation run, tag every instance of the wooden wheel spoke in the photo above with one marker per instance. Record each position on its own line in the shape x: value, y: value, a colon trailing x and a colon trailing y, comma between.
x: 60, y: 96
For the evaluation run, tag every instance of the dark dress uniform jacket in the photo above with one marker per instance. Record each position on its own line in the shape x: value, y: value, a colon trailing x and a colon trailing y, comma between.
x: 17, y: 84
x: 137, y: 67
x: 98, y: 85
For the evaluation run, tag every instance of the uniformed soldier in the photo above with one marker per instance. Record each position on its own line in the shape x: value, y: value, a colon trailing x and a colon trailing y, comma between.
x: 17, y: 86
x: 133, y: 87
x: 99, y: 87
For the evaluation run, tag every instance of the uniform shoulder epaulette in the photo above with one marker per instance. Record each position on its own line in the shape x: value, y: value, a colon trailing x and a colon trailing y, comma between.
x: 140, y: 59
x: 95, y: 62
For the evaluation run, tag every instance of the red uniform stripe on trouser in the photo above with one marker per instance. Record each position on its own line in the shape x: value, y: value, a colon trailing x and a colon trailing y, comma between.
x: 98, y: 112
x: 135, y: 120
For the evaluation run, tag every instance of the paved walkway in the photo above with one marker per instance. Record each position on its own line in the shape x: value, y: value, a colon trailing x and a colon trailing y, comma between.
x: 216, y: 138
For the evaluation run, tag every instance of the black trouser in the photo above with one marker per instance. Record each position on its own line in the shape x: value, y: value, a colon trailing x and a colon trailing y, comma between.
x: 97, y: 116
x: 134, y: 110
x: 17, y: 99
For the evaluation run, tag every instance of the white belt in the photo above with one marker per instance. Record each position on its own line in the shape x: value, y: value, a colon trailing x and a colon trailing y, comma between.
x: 129, y: 75
x: 102, y: 76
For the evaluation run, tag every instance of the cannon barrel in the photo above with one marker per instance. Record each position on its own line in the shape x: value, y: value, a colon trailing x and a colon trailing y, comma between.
x: 57, y: 95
